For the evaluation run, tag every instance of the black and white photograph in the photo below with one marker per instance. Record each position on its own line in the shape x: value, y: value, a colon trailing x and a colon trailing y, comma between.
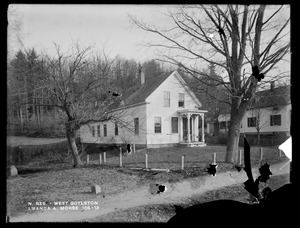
x: 149, y: 113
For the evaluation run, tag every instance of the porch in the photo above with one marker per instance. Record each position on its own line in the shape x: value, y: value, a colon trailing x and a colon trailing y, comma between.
x: 188, y: 120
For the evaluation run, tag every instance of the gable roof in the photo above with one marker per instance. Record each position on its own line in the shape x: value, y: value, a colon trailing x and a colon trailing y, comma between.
x: 276, y: 97
x: 139, y: 93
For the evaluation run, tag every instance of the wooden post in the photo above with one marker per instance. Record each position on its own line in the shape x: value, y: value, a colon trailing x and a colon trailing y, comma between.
x: 104, y: 157
x: 100, y: 159
x: 87, y: 159
x: 279, y: 153
x: 214, y: 162
x: 182, y: 162
x: 133, y: 147
x: 146, y: 161
x: 240, y: 157
x: 120, y: 156
x: 261, y: 153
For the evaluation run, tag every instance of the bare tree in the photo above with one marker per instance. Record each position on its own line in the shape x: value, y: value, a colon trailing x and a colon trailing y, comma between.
x: 237, y: 39
x: 77, y: 84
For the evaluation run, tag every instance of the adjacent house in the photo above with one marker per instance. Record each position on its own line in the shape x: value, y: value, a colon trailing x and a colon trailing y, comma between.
x: 270, y: 114
x: 163, y: 111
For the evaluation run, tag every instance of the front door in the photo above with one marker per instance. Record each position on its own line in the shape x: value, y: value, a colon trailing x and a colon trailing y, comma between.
x: 185, y: 130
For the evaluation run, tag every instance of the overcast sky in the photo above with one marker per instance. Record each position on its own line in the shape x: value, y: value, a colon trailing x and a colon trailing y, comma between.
x: 41, y: 25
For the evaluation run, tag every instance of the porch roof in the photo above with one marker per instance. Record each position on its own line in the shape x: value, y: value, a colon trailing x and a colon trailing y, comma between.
x: 191, y: 111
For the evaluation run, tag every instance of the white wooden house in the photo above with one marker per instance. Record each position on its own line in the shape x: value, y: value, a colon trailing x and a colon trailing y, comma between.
x: 162, y: 112
x: 270, y: 114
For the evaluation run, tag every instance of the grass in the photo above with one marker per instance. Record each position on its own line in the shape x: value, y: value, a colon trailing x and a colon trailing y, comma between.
x: 195, y: 157
x: 53, y: 178
x: 64, y: 185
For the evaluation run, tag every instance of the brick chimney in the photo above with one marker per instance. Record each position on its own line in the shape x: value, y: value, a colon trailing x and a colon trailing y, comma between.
x: 140, y: 74
x: 142, y: 77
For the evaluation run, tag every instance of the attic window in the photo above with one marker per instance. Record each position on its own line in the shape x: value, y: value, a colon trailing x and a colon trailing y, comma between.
x: 166, y: 99
x: 181, y: 100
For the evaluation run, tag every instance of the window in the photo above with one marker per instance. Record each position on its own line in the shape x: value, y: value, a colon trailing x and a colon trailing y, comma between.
x: 275, y: 120
x: 181, y: 100
x: 93, y: 131
x: 116, y: 129
x: 174, y: 124
x: 105, y: 130
x: 166, y: 99
x: 157, y: 124
x: 222, y: 124
x: 136, y: 126
x: 252, y: 122
x: 98, y: 130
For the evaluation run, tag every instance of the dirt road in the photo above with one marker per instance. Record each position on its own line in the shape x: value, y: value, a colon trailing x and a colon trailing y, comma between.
x: 22, y: 140
x: 175, y: 193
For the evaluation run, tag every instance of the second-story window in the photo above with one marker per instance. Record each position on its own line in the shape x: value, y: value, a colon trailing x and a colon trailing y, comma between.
x: 136, y: 126
x: 105, y: 130
x: 275, y: 120
x: 93, y: 131
x: 116, y: 129
x: 181, y: 100
x: 251, y: 121
x: 98, y: 130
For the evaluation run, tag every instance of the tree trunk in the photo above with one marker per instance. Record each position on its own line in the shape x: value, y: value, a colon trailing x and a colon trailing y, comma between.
x: 258, y: 138
x: 233, y: 142
x: 42, y: 107
x: 71, y: 132
x: 236, y: 116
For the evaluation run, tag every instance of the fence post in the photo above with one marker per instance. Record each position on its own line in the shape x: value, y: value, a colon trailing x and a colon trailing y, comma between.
x: 120, y: 156
x: 104, y: 157
x: 100, y: 159
x: 214, y: 162
x: 261, y: 153
x: 146, y: 161
x: 182, y: 162
x: 279, y: 153
x: 87, y: 159
x: 240, y: 157
x: 133, y: 147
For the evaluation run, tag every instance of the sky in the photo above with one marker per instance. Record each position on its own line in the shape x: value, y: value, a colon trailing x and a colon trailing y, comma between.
x: 40, y: 25
x: 108, y: 25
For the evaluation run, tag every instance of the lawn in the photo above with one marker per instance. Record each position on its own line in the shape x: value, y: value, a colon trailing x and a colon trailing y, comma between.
x: 195, y: 157
x: 44, y: 180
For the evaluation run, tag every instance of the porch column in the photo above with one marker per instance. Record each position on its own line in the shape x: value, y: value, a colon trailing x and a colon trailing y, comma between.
x: 202, y: 117
x: 188, y: 127
x: 196, y: 128
x: 193, y: 127
x: 180, y: 127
